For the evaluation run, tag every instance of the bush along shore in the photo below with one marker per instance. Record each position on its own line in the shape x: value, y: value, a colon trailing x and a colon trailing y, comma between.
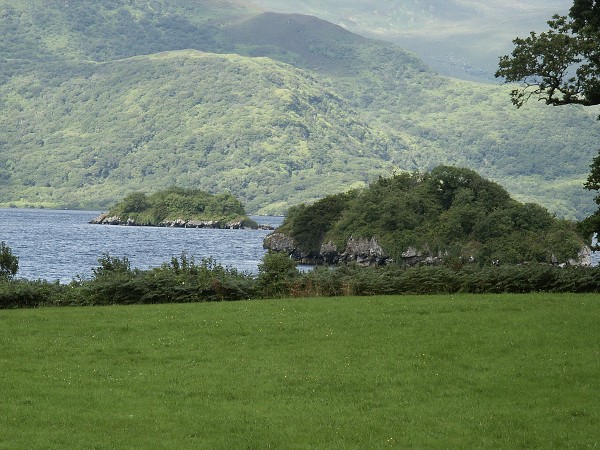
x: 182, y: 280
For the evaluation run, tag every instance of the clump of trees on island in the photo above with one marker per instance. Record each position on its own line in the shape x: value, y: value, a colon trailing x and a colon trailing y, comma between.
x: 176, y: 206
x: 447, y: 215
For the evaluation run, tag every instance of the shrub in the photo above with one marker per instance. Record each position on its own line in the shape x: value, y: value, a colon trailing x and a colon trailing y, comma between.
x: 9, y: 263
x: 276, y: 274
x: 29, y: 294
x: 112, y: 282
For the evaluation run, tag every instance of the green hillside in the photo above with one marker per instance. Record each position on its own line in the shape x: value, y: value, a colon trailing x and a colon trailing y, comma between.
x: 261, y: 130
x: 98, y: 99
x: 108, y: 29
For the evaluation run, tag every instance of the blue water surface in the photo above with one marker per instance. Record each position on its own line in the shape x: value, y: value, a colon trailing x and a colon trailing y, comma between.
x: 62, y: 245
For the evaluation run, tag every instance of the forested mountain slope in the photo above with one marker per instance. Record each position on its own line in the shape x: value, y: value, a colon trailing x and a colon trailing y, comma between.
x: 260, y: 129
x: 101, y: 98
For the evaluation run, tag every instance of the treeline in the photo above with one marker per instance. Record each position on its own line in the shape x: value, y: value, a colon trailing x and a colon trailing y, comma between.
x: 182, y: 280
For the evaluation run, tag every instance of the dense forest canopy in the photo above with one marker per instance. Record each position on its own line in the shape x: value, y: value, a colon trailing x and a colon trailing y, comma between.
x: 276, y: 109
x: 449, y: 211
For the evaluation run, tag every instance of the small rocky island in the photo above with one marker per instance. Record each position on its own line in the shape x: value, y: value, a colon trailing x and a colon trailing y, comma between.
x: 178, y: 207
x: 448, y: 216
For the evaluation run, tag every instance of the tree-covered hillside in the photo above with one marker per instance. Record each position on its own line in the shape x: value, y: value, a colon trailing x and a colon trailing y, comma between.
x: 104, y: 30
x: 266, y: 132
x: 446, y: 120
x: 98, y: 99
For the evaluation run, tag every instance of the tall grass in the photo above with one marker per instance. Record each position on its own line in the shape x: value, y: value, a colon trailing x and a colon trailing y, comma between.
x: 469, y: 371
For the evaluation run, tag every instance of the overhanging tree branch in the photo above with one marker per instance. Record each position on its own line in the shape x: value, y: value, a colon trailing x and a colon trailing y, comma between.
x: 559, y: 67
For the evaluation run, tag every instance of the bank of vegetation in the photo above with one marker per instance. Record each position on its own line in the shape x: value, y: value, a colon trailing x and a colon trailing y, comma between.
x: 182, y: 280
x: 470, y: 235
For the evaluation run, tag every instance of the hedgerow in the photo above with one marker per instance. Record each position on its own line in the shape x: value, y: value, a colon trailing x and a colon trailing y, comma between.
x: 182, y: 280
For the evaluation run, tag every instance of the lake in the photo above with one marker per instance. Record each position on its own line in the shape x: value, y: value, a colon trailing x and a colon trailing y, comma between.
x: 62, y: 245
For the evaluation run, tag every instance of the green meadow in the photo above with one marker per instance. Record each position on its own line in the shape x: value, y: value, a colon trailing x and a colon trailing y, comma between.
x: 465, y: 371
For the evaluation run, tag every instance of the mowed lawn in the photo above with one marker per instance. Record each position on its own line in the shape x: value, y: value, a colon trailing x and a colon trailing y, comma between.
x: 481, y: 371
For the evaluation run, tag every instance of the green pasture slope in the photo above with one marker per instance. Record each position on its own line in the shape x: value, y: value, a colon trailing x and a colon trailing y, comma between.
x: 486, y: 371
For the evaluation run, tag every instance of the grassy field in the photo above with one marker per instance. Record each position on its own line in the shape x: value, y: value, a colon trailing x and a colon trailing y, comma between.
x: 510, y: 371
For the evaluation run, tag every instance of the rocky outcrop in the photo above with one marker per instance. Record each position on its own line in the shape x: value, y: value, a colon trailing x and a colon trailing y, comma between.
x: 105, y: 219
x: 368, y: 252
x: 584, y: 258
x: 365, y: 252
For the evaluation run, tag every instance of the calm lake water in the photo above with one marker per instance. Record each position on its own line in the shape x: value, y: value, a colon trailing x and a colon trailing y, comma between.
x: 61, y: 245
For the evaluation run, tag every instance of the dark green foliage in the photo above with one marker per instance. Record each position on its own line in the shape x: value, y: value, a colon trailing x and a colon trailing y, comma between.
x: 585, y: 14
x: 180, y: 281
x: 275, y: 275
x: 178, y: 203
x: 310, y: 224
x: 560, y: 66
x: 184, y: 281
x: 353, y: 280
x: 112, y: 282
x: 9, y: 263
x: 450, y: 211
x: 31, y: 294
x: 136, y: 202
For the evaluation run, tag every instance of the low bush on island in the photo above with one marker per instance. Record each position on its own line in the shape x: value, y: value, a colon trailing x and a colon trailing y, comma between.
x: 177, y: 206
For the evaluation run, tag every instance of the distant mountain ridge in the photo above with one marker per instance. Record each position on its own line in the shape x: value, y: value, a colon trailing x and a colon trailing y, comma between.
x: 461, y: 38
x: 98, y: 99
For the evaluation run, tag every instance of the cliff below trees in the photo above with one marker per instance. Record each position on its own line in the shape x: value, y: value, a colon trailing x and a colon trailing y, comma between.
x: 449, y: 215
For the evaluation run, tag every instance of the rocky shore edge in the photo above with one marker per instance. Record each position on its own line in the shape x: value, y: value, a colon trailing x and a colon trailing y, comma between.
x: 365, y: 252
x: 368, y: 252
x: 105, y: 219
